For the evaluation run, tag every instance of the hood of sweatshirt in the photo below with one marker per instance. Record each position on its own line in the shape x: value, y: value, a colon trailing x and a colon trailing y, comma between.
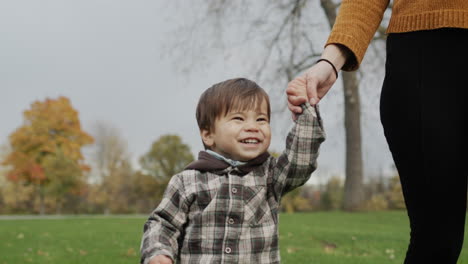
x: 207, y: 162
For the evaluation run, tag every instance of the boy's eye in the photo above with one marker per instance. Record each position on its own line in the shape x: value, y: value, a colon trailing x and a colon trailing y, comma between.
x: 238, y: 118
x: 262, y: 119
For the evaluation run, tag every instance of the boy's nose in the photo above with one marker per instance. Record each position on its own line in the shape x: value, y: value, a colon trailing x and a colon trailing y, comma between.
x: 251, y: 126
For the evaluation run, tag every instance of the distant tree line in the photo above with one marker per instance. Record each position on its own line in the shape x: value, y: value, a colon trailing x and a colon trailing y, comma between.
x: 43, y: 171
x: 379, y: 194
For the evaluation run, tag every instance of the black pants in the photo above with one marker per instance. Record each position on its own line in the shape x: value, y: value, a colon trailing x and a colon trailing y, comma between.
x: 424, y: 112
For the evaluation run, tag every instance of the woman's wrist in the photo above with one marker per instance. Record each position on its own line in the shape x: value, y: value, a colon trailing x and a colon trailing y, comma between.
x: 336, y: 54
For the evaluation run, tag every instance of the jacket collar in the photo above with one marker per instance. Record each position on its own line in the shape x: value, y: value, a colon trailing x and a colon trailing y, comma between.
x: 207, y: 162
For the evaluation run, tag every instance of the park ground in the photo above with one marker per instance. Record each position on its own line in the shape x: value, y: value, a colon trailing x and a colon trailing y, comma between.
x: 317, y: 238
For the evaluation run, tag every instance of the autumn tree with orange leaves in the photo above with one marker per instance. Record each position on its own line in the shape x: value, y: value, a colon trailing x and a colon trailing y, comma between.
x: 46, y: 149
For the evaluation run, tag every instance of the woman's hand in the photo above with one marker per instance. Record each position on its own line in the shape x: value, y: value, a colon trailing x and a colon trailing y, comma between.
x: 317, y: 80
x: 311, y: 86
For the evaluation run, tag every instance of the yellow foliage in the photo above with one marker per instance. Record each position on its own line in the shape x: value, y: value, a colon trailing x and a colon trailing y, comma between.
x: 377, y: 203
x: 17, y: 196
x: 332, y: 197
x: 395, y: 194
x: 49, y: 126
x: 294, y: 202
x: 46, y: 149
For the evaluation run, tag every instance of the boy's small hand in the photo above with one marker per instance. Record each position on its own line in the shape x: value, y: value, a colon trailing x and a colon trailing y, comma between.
x: 297, y: 94
x: 161, y: 259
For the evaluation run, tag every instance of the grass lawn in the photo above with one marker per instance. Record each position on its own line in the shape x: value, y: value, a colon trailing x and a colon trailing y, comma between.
x: 317, y: 238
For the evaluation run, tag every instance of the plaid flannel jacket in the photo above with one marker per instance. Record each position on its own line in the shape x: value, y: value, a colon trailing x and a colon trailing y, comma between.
x: 227, y: 217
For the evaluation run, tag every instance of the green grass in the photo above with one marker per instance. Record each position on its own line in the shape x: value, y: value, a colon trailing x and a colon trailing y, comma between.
x: 317, y: 238
x: 338, y: 237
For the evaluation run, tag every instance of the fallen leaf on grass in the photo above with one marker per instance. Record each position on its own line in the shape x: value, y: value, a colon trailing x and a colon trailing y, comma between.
x: 328, y: 247
x: 131, y: 252
x: 291, y: 250
x: 42, y: 253
x: 390, y: 252
x: 83, y: 252
x: 20, y: 236
x: 69, y: 249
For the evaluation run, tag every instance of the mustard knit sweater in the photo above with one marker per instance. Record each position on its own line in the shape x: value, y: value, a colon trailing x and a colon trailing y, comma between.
x: 358, y: 20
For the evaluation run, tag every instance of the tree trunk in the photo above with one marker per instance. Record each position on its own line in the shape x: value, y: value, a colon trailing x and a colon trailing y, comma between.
x: 41, y: 200
x: 354, y: 176
x: 58, y: 206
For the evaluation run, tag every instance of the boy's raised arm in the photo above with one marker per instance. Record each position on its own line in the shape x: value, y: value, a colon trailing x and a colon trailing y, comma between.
x: 297, y: 162
x: 164, y: 227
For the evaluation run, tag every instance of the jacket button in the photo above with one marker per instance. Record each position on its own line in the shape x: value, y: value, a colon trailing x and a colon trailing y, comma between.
x: 234, y: 190
x: 227, y: 250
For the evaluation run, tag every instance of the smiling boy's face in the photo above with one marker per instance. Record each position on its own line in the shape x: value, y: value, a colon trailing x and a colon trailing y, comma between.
x: 240, y: 135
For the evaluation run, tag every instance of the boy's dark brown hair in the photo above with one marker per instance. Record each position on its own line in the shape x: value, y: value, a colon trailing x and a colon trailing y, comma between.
x: 219, y: 99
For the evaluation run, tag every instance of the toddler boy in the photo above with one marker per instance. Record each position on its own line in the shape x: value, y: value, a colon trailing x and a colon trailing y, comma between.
x: 223, y: 208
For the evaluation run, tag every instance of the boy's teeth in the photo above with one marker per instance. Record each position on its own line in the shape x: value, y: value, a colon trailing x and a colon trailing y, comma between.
x: 250, y: 141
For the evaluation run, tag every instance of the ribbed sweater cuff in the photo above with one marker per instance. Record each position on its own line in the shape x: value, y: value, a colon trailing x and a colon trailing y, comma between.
x: 428, y: 20
x: 357, y: 48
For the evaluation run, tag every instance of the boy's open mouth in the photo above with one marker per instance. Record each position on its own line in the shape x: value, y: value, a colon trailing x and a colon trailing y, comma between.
x: 250, y: 141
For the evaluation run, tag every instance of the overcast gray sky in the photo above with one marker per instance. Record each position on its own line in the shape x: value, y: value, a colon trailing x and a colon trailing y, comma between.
x: 113, y: 60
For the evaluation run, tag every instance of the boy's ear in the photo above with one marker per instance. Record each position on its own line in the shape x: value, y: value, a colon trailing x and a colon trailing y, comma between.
x: 207, y: 137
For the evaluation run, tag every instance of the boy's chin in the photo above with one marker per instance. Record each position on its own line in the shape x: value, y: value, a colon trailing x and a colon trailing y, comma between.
x: 245, y: 158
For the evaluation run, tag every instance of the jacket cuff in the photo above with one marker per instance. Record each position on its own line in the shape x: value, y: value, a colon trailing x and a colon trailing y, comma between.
x: 308, y: 111
x: 164, y: 252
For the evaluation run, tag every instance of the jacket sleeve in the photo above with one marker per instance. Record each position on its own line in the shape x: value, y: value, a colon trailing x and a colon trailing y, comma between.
x: 355, y: 26
x: 295, y: 165
x: 164, y: 227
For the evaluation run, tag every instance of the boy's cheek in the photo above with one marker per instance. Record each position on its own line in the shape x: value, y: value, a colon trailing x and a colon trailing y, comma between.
x: 268, y: 138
